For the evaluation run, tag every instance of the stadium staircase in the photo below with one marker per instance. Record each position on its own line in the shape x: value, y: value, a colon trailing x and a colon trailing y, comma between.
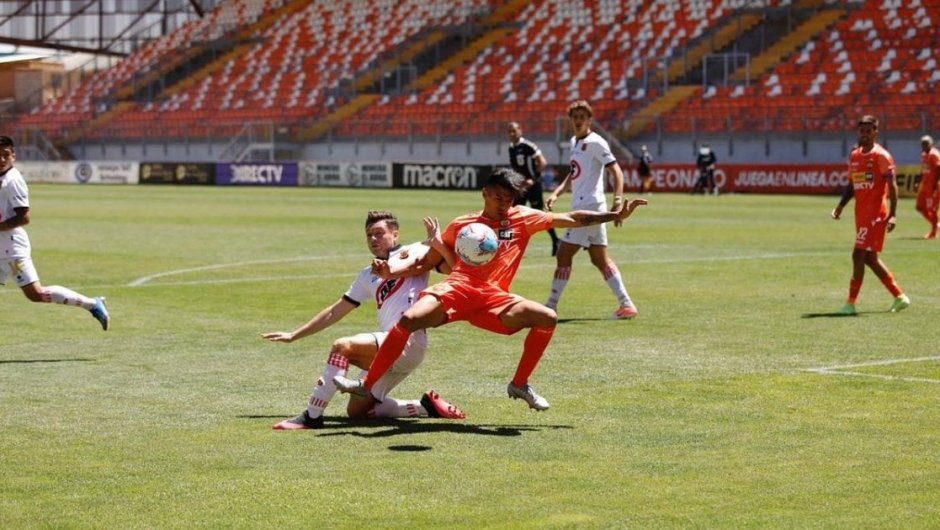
x: 639, y: 121
x: 807, y: 31
x: 495, y: 29
x: 678, y: 68
x: 678, y: 96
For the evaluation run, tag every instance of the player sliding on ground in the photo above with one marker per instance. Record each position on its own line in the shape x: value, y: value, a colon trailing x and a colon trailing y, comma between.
x: 392, y: 296
x: 480, y: 294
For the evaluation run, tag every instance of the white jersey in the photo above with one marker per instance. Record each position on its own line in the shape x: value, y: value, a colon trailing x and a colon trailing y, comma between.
x: 589, y: 156
x: 14, y: 194
x: 392, y: 297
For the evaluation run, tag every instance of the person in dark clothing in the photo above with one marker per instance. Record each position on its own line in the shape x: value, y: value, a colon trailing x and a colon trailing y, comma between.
x: 527, y: 159
x: 644, y: 170
x: 706, y: 171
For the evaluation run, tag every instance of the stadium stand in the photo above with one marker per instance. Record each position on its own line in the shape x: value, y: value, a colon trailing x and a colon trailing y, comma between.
x: 880, y: 58
x: 377, y: 68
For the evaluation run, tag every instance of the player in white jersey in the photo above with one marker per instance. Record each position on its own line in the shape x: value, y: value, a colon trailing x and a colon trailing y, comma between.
x: 590, y: 159
x: 392, y: 297
x: 15, y: 251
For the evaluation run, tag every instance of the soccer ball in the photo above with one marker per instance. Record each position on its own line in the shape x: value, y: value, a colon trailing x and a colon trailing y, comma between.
x: 476, y: 244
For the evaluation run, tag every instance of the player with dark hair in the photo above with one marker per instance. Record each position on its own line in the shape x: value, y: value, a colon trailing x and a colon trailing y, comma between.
x: 527, y: 159
x: 480, y: 294
x: 928, y: 195
x: 15, y: 250
x: 871, y: 180
x: 392, y: 297
x: 591, y: 159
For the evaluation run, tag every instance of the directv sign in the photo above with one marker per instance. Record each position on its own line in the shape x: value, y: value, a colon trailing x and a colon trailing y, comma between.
x: 256, y: 174
x: 440, y: 176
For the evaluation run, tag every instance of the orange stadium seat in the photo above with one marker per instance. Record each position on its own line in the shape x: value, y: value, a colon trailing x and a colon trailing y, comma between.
x: 880, y: 59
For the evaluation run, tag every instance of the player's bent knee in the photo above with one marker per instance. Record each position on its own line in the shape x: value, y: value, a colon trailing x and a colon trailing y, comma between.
x: 342, y: 346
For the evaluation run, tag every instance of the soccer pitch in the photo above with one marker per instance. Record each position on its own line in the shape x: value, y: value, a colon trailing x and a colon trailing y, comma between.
x: 732, y: 401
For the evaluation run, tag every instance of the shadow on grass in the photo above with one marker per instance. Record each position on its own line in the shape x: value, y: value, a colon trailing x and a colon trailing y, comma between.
x: 383, y: 428
x: 32, y: 361
x: 575, y: 320
x: 840, y: 315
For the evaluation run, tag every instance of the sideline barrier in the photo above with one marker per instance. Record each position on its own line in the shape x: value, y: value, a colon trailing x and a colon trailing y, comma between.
x: 177, y: 173
x: 256, y: 174
x: 81, y: 172
x: 346, y: 174
x: 440, y: 176
x: 806, y: 179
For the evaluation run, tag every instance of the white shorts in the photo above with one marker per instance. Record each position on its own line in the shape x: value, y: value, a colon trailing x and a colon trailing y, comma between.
x: 410, y: 358
x: 586, y: 236
x: 20, y: 269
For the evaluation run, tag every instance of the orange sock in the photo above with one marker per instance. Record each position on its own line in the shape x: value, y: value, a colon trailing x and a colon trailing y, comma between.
x: 854, y: 287
x: 891, y: 285
x: 388, y: 353
x: 535, y: 344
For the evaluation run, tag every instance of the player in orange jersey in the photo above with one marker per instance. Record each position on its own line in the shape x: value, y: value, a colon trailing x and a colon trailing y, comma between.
x: 871, y: 180
x: 480, y: 294
x: 928, y: 196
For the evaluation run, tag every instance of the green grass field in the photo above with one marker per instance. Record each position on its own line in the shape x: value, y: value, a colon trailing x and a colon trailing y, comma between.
x: 732, y: 401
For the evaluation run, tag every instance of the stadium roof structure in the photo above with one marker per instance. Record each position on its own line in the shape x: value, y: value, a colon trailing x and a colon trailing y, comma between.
x: 97, y: 27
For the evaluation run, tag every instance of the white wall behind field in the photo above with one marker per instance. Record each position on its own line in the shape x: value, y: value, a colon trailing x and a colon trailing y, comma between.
x: 752, y: 150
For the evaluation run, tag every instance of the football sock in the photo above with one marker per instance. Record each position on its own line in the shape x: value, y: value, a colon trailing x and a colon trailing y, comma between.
x: 389, y: 352
x: 398, y: 408
x: 854, y: 287
x: 562, y: 274
x: 326, y: 389
x: 56, y: 294
x: 891, y: 285
x: 534, y: 346
x: 615, y: 282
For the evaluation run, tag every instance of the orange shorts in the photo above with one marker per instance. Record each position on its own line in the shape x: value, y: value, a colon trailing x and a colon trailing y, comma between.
x: 870, y: 233
x: 927, y: 200
x: 478, y: 303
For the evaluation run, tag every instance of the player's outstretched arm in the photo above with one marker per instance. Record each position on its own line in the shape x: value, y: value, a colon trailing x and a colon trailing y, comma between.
x: 324, y: 319
x: 587, y: 218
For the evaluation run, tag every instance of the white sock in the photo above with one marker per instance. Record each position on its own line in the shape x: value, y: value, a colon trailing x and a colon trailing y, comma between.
x: 562, y: 274
x: 399, y: 408
x: 615, y: 282
x: 326, y: 389
x: 56, y: 294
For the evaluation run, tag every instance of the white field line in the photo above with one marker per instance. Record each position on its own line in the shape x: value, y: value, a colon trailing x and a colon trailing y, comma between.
x: 145, y: 279
x: 547, y: 264
x: 846, y: 369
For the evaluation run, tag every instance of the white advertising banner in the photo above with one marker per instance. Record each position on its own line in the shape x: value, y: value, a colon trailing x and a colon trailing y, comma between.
x: 346, y: 174
x: 81, y: 172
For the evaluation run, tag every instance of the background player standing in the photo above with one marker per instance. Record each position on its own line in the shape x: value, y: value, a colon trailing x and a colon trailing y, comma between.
x: 15, y: 250
x: 871, y: 180
x: 591, y: 158
x: 928, y: 195
x: 527, y: 159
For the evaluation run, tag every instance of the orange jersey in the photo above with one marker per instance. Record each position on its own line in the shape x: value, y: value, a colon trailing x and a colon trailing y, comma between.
x: 513, y: 233
x: 929, y: 170
x: 869, y: 173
